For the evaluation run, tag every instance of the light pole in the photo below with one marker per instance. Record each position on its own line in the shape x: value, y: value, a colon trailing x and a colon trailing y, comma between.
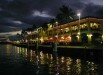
x: 55, y: 42
x: 79, y: 22
x: 56, y: 29
x: 79, y: 14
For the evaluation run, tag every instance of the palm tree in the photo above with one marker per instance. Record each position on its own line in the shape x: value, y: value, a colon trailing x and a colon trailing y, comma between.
x: 66, y: 15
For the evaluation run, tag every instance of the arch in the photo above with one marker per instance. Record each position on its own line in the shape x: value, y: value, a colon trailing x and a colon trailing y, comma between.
x: 74, y: 38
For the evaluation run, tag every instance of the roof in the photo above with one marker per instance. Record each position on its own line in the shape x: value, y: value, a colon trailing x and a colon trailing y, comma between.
x: 76, y: 22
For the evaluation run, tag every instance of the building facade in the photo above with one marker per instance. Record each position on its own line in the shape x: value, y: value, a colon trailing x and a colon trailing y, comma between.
x: 85, y: 31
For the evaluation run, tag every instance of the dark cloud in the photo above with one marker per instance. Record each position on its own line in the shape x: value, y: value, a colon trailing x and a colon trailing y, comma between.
x: 4, y: 28
x: 13, y: 22
x: 93, y: 10
x: 21, y: 14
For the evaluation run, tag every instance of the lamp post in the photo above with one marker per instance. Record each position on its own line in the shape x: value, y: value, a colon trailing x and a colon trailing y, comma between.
x: 89, y: 38
x: 79, y: 23
x: 79, y: 38
x: 55, y: 42
x: 56, y: 29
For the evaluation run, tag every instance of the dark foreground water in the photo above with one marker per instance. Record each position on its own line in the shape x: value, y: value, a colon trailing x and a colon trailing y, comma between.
x: 21, y: 61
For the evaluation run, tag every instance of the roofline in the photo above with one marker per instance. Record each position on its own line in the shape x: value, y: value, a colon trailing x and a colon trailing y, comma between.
x: 76, y: 20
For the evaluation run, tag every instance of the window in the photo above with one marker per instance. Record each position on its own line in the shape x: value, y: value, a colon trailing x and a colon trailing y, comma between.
x: 66, y: 29
x: 94, y: 25
x: 91, y: 24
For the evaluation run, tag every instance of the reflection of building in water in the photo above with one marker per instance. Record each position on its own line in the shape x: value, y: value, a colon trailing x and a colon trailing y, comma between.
x: 78, y: 66
x: 17, y: 49
x: 42, y: 58
x: 91, y: 68
x: 8, y: 48
x: 58, y: 65
x: 26, y: 52
x: 31, y: 55
x: 68, y: 63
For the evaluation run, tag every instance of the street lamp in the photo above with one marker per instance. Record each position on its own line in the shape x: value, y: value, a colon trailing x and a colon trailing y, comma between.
x: 78, y: 14
x: 55, y: 43
x: 57, y: 29
x: 56, y: 23
x: 78, y: 34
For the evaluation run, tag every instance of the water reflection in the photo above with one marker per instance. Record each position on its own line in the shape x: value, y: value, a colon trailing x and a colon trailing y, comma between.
x: 53, y: 64
x: 58, y: 65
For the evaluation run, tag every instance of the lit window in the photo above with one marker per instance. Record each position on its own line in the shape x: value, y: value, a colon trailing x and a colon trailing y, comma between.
x: 96, y: 25
x: 91, y: 24
x: 75, y: 27
x: 85, y: 24
x: 66, y: 29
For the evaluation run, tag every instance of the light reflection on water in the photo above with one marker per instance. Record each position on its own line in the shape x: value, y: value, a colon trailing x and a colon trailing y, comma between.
x: 51, y: 63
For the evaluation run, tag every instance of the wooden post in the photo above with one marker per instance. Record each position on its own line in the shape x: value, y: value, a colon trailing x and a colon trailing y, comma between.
x: 54, y: 46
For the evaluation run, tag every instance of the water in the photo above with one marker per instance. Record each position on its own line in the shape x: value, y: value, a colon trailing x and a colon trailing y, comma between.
x: 20, y: 61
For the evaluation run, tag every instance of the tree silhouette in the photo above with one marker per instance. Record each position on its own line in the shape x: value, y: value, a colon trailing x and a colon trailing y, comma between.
x: 45, y: 26
x: 66, y: 15
x: 34, y: 27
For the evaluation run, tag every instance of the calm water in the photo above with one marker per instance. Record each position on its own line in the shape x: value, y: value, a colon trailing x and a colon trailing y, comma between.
x: 20, y: 61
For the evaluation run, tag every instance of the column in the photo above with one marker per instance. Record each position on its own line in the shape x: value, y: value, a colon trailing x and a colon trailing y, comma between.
x: 78, y: 38
x: 89, y: 38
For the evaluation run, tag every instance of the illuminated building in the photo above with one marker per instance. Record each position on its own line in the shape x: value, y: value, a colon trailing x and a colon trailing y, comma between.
x: 91, y: 30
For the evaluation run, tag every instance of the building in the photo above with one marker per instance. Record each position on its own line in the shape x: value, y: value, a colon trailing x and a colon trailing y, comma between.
x: 85, y: 31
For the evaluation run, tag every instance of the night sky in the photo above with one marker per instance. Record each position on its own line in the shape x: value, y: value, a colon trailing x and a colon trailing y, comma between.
x: 16, y: 15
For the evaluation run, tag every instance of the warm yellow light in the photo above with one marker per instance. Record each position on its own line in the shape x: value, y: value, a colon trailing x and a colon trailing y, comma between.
x: 66, y: 29
x: 62, y: 59
x: 62, y: 37
x: 56, y: 36
x: 36, y: 38
x: 69, y: 37
x: 77, y: 36
x: 48, y: 24
x: 89, y: 35
x: 51, y: 38
x: 78, y: 33
x: 41, y: 53
x: 41, y: 39
x: 56, y: 22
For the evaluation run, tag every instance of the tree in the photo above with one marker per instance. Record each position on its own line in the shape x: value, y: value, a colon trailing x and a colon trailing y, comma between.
x: 44, y: 26
x: 23, y: 32
x: 65, y: 15
x: 52, y: 21
x: 34, y: 27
